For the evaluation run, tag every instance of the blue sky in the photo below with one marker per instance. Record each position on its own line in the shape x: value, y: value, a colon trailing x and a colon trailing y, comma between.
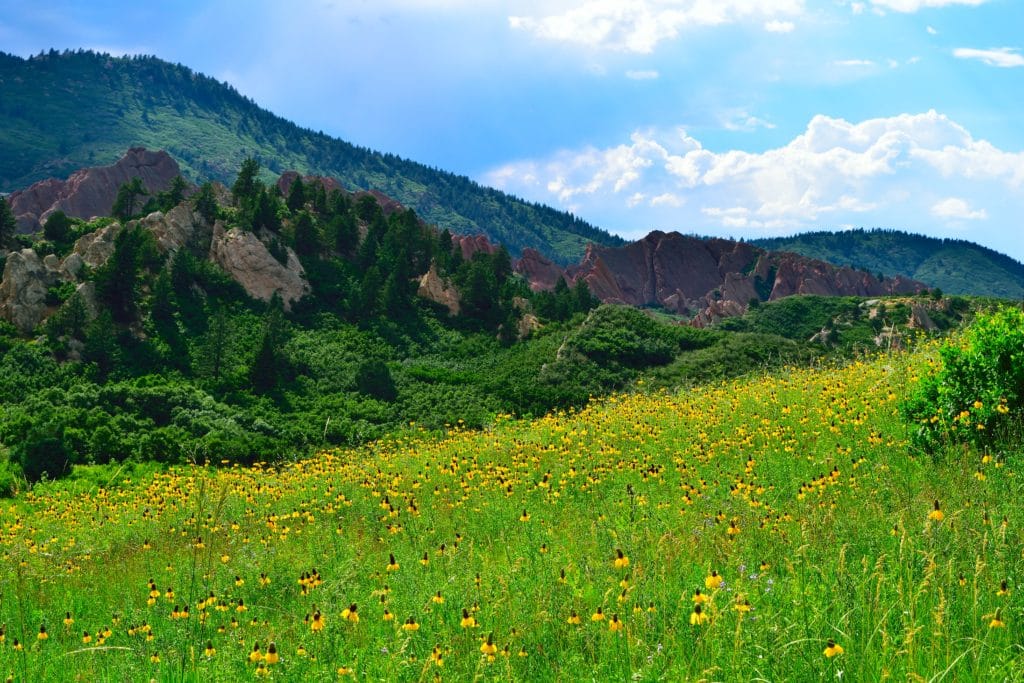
x: 727, y: 117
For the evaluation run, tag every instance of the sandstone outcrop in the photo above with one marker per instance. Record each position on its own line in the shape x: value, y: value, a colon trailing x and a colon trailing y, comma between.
x: 23, y: 289
x: 246, y: 259
x: 91, y: 191
x: 541, y: 273
x: 433, y: 288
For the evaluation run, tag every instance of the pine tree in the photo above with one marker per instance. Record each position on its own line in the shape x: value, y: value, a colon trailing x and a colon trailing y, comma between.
x: 127, y: 201
x: 8, y: 224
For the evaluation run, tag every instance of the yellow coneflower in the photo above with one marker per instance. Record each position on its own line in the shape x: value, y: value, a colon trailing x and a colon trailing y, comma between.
x: 346, y: 671
x: 392, y: 563
x: 936, y: 513
x: 261, y: 671
x: 598, y: 615
x: 264, y: 580
x: 832, y: 648
x: 239, y: 581
x: 437, y: 598
x: 301, y: 651
x: 698, y: 597
x: 210, y: 651
x: 240, y: 607
x: 561, y: 576
x: 271, y: 657
x: 698, y: 616
x: 742, y: 605
x: 1004, y: 590
x: 962, y: 580
x: 468, y: 620
x: 317, y: 623
x: 574, y: 619
x: 410, y: 625
x: 426, y: 559
x: 615, y: 624
x: 350, y: 613
x: 68, y: 620
x: 146, y: 545
x: 256, y: 655
x: 488, y: 647
x: 997, y: 622
x: 388, y: 616
x: 620, y: 561
x: 16, y: 644
x: 86, y: 638
x: 43, y: 635
x: 525, y: 517
x: 154, y: 658
x: 733, y: 528
x: 713, y: 580
x: 437, y: 657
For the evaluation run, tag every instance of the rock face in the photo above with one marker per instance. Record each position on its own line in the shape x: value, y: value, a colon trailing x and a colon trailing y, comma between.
x: 91, y: 191
x: 541, y: 273
x: 710, y: 279
x: 434, y: 288
x: 23, y: 289
x: 245, y: 258
x: 473, y: 244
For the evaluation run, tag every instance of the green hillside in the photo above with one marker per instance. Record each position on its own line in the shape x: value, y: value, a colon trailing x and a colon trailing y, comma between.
x: 62, y: 111
x: 955, y: 266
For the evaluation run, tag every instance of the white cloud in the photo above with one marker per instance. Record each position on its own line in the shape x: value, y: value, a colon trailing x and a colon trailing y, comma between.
x: 776, y: 26
x: 739, y: 120
x: 931, y: 31
x: 910, y: 6
x: 642, y: 75
x: 1004, y: 57
x: 639, y: 25
x: 869, y: 173
x: 956, y: 208
x: 854, y: 62
x: 857, y: 7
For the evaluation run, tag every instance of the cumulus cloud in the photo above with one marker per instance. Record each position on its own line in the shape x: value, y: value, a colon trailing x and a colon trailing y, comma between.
x: 910, y: 6
x: 739, y: 120
x: 956, y: 208
x: 1004, y: 57
x: 642, y: 75
x: 835, y: 171
x: 777, y: 26
x: 639, y: 25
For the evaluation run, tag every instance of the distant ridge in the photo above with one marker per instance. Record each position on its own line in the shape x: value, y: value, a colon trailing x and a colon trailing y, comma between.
x: 60, y: 111
x: 955, y: 266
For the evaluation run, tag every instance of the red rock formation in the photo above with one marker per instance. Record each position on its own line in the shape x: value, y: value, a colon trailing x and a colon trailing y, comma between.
x: 541, y: 273
x: 709, y: 278
x: 91, y: 191
x: 473, y: 244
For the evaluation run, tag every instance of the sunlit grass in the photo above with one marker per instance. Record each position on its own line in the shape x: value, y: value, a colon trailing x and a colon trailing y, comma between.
x: 776, y: 528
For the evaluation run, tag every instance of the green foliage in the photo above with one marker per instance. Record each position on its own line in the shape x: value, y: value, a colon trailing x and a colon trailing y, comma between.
x: 374, y: 379
x: 977, y: 395
x: 117, y: 280
x: 44, y: 456
x: 205, y: 202
x: 128, y: 201
x: 57, y: 228
x: 8, y: 224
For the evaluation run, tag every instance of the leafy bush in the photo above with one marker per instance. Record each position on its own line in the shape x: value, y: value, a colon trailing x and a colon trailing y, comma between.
x: 979, y: 391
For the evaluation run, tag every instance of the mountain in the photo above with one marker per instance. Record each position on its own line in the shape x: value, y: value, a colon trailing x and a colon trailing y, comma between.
x: 955, y: 266
x: 61, y: 111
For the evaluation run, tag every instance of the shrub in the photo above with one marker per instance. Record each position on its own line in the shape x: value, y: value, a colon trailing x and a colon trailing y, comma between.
x: 979, y: 391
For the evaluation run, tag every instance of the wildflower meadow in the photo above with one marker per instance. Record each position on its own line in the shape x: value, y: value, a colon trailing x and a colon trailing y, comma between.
x: 782, y: 527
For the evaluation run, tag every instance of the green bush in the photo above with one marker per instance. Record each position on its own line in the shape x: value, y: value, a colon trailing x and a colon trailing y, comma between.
x: 978, y: 394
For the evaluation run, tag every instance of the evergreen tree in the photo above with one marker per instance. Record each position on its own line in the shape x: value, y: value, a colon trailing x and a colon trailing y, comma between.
x: 216, y: 344
x: 247, y: 182
x: 101, y: 345
x: 268, y: 367
x: 172, y: 196
x: 57, y: 228
x: 297, y: 195
x: 205, y: 202
x: 307, y: 237
x: 117, y: 280
x: 8, y: 224
x: 127, y: 201
x: 345, y: 232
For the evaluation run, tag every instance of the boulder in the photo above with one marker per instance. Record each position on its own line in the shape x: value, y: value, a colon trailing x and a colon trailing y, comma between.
x: 178, y: 227
x: 246, y: 259
x: 93, y: 249
x: 434, y: 288
x: 23, y: 289
x: 91, y: 192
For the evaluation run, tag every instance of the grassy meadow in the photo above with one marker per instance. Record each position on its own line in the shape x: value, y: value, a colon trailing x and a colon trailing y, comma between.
x: 776, y: 528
